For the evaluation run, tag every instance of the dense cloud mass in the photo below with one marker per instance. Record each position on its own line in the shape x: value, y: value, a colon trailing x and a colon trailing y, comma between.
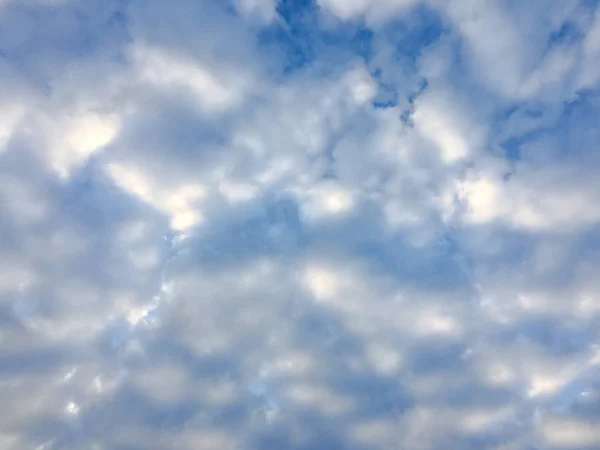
x: 300, y: 224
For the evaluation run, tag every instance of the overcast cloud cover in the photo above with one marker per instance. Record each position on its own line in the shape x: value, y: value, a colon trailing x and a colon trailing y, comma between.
x: 300, y: 224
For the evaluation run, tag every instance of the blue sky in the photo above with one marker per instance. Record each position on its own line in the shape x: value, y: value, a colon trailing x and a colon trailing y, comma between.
x: 302, y: 224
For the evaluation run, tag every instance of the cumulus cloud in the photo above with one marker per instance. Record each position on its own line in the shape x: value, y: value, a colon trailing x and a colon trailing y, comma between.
x: 283, y: 224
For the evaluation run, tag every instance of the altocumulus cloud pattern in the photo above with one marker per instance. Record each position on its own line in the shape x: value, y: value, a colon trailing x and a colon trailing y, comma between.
x: 300, y: 224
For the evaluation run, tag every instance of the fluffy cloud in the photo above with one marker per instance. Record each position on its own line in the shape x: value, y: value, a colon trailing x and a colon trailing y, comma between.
x: 329, y: 224
x: 373, y: 9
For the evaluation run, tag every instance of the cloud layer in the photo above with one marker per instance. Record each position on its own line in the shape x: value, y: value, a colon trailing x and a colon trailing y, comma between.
x: 318, y: 224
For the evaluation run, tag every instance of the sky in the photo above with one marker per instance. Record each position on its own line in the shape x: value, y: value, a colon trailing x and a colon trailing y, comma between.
x: 300, y: 224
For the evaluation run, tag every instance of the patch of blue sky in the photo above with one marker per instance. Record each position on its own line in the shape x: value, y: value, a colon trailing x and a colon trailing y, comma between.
x: 299, y: 35
x: 568, y: 34
x: 512, y: 144
x: 574, y: 120
x: 297, y: 38
x: 410, y: 35
x: 298, y: 41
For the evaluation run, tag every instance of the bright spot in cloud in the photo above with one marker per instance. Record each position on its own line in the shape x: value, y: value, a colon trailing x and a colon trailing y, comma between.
x: 322, y: 282
x: 91, y: 132
x: 72, y: 409
x: 327, y: 200
x: 180, y: 203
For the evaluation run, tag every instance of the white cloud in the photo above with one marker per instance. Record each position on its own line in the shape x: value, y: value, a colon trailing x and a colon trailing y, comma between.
x: 566, y: 433
x: 213, y: 91
x: 179, y: 203
x: 447, y: 123
x: 234, y: 192
x: 530, y: 200
x: 79, y: 138
x: 323, y: 283
x: 375, y: 10
x: 263, y: 10
x: 495, y: 47
x: 9, y: 117
x: 326, y: 200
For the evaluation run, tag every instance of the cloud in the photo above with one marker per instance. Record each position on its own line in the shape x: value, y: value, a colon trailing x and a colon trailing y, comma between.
x: 262, y: 10
x: 375, y: 10
x: 260, y: 224
x: 591, y: 47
